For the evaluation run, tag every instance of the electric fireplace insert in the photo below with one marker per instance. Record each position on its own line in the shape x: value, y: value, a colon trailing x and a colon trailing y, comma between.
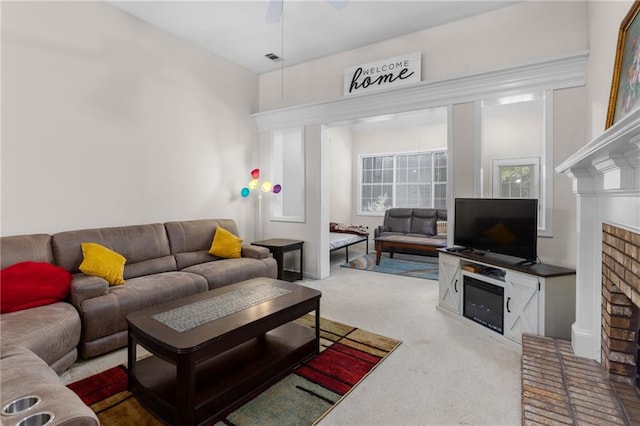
x: 484, y: 303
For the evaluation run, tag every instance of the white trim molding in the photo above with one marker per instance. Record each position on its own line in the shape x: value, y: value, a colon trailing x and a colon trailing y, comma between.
x: 558, y: 72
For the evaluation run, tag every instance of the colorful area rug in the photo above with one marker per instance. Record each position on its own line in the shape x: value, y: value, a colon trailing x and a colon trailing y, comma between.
x: 303, y: 397
x: 418, y: 267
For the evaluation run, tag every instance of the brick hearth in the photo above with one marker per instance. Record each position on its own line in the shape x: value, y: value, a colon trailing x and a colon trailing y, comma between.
x: 620, y: 301
x: 559, y: 387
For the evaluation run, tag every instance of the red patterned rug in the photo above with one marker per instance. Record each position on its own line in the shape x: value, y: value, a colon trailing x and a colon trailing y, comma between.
x: 302, y: 397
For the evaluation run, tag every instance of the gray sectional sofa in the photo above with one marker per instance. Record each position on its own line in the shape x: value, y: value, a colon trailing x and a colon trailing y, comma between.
x: 164, y: 262
x: 51, y: 331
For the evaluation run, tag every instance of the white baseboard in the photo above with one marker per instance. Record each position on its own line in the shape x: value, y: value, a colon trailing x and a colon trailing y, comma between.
x: 585, y: 343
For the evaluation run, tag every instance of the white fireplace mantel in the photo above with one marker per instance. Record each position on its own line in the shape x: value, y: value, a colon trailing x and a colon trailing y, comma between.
x: 606, y: 180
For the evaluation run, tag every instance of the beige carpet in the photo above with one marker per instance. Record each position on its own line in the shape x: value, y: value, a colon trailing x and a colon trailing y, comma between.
x: 447, y: 371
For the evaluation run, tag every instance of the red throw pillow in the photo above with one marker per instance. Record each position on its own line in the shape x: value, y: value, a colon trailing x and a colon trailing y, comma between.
x: 30, y: 284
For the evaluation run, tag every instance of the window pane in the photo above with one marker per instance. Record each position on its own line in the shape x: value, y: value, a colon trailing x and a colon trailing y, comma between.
x: 366, y: 192
x: 517, y: 181
x: 387, y: 175
x: 413, y: 175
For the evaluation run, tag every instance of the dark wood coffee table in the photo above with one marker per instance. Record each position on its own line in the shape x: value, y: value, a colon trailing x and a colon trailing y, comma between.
x: 202, y: 362
x: 392, y: 242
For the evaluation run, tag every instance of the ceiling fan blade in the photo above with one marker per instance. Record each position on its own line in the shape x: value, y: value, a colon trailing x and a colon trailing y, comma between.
x: 338, y: 4
x: 274, y: 11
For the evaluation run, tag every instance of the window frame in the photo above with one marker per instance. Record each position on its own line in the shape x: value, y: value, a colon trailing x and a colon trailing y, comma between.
x: 496, y: 182
x: 395, y: 155
x: 537, y: 183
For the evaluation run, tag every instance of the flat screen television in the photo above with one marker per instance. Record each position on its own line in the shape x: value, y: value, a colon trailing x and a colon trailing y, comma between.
x: 506, y: 226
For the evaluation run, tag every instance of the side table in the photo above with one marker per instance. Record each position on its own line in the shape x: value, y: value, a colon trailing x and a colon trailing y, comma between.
x: 278, y: 247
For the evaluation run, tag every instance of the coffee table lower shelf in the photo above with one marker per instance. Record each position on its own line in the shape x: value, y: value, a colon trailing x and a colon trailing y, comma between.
x: 227, y: 377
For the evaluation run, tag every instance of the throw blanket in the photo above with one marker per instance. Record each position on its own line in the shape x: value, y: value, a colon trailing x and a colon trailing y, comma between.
x: 348, y: 229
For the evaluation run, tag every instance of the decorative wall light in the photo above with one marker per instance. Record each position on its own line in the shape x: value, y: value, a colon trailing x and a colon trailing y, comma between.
x: 254, y: 185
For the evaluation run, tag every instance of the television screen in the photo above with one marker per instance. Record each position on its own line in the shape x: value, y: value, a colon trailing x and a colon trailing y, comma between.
x: 498, y: 225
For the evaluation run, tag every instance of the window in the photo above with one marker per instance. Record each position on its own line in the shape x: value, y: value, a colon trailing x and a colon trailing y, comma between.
x: 403, y: 180
x: 516, y: 178
x: 288, y: 160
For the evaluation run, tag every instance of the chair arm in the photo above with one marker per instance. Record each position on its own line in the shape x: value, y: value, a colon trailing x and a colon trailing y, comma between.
x: 380, y: 229
x: 255, y: 252
x: 85, y: 287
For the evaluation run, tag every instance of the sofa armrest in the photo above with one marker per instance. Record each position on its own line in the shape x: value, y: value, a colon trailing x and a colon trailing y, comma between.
x: 380, y: 229
x: 255, y: 252
x: 85, y: 287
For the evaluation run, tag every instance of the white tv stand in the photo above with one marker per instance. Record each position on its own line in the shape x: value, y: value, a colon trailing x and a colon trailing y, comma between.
x: 538, y: 299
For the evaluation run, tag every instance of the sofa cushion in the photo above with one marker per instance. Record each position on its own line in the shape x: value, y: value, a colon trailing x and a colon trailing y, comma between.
x: 423, y: 222
x: 228, y: 271
x: 191, y: 240
x: 225, y: 244
x: 29, y: 284
x: 52, y: 332
x: 99, y: 261
x: 20, y: 248
x: 138, y: 293
x: 146, y: 248
x: 398, y: 220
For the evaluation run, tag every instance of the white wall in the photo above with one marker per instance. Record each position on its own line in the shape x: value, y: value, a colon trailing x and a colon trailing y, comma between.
x: 341, y: 198
x: 108, y: 121
x: 512, y: 35
x: 409, y: 139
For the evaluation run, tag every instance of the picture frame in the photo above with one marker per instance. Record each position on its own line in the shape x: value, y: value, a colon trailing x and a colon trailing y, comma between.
x: 625, y: 84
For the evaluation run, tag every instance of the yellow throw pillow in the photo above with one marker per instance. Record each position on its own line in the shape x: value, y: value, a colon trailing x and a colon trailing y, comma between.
x: 225, y: 244
x: 101, y: 262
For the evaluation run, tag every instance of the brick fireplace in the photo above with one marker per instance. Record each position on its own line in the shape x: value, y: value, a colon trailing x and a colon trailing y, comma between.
x: 620, y: 301
x: 605, y: 176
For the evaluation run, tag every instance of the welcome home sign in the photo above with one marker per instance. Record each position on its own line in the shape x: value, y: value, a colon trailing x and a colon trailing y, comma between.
x: 392, y: 72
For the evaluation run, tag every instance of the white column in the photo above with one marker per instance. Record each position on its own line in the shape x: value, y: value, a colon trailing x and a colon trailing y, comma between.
x: 585, y: 332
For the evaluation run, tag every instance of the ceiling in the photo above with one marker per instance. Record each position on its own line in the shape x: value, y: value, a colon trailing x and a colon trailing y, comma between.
x: 239, y: 32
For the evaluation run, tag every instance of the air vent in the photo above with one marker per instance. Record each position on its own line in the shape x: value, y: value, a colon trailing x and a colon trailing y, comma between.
x: 273, y: 57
